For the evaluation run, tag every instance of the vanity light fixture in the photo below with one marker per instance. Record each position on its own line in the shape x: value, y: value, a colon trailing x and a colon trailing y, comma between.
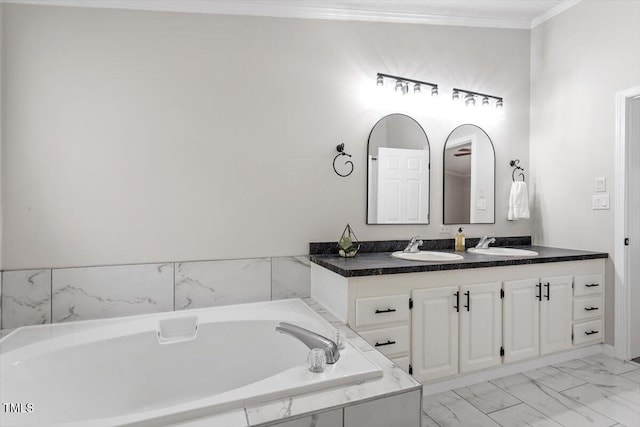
x: 402, y: 84
x: 470, y: 97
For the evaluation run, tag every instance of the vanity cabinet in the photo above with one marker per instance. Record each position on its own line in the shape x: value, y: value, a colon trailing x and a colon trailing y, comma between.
x: 384, y: 323
x: 445, y: 323
x: 555, y: 313
x: 537, y: 316
x: 456, y: 329
x: 588, y: 307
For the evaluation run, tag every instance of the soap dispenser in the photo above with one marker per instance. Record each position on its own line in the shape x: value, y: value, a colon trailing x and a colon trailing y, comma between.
x: 460, y: 241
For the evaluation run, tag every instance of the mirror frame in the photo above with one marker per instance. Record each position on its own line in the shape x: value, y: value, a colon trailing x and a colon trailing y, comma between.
x: 367, y: 176
x: 444, y: 170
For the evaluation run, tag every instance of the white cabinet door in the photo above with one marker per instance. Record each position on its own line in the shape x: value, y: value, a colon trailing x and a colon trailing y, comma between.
x: 521, y: 319
x: 556, y: 314
x: 434, y: 326
x: 480, y: 326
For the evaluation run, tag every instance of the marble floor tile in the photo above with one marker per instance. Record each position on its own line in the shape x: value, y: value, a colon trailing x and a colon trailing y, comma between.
x: 487, y: 397
x: 522, y: 415
x: 602, y: 378
x: 554, y: 405
x: 602, y: 400
x: 427, y: 421
x: 450, y: 410
x: 633, y: 375
x: 554, y: 378
x: 615, y: 366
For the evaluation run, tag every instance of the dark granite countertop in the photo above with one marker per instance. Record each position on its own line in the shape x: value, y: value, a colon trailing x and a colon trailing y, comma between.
x: 378, y: 263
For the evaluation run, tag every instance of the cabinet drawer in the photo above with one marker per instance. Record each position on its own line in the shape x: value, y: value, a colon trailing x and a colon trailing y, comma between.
x: 588, y: 332
x: 403, y: 362
x: 586, y: 285
x: 587, y: 307
x: 381, y: 310
x: 388, y: 341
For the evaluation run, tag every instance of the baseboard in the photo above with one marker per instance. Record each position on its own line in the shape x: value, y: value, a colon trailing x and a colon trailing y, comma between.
x: 514, y: 368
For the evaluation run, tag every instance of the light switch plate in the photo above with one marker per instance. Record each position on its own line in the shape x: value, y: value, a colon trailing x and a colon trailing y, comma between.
x: 601, y: 185
x: 600, y: 201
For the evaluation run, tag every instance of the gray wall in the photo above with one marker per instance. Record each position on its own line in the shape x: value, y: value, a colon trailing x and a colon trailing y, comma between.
x: 579, y: 60
x: 135, y: 137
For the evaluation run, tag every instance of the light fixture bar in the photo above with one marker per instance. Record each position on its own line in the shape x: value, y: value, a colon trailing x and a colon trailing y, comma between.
x: 404, y: 79
x: 470, y: 92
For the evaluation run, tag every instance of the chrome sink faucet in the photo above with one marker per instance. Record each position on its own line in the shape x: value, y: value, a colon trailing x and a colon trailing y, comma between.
x: 412, y: 247
x: 311, y: 340
x: 484, y: 242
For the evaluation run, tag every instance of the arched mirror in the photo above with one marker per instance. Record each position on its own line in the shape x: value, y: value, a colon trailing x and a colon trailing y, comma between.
x: 398, y: 172
x: 469, y: 177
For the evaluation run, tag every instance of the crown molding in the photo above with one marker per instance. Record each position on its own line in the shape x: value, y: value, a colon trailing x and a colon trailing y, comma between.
x: 566, y: 4
x: 281, y: 10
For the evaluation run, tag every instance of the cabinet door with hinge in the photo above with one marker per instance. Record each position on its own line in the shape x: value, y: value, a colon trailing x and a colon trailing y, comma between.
x: 555, y: 313
x: 480, y: 326
x: 434, y: 336
x: 521, y: 319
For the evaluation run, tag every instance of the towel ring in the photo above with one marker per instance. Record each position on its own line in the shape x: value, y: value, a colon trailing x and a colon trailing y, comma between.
x: 515, y: 165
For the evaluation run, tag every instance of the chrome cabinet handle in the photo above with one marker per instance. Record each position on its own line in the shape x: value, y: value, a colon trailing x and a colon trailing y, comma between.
x: 592, y: 285
x: 590, y: 308
x: 388, y: 310
x: 548, y: 291
x: 590, y: 333
x: 468, y: 305
x: 457, y: 306
x: 389, y: 342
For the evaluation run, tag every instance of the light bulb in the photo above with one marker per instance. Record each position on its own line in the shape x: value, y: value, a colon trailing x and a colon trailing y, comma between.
x: 416, y: 88
x: 434, y: 91
x: 470, y: 100
x: 455, y: 95
x: 485, y: 101
x: 499, y: 103
x: 380, y: 81
x: 399, y: 85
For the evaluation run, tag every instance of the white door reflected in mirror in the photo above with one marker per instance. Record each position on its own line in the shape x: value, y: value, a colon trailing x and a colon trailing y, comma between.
x: 398, y: 172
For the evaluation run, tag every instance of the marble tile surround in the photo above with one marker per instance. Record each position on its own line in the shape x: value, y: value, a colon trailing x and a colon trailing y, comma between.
x: 26, y: 298
x: 111, y: 291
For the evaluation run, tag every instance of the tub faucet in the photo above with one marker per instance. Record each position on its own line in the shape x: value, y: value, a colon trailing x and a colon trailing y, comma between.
x: 484, y: 242
x: 311, y: 340
x: 412, y: 247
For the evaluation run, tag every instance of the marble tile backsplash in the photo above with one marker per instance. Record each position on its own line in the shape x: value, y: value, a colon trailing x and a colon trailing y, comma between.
x: 31, y: 297
x: 26, y: 298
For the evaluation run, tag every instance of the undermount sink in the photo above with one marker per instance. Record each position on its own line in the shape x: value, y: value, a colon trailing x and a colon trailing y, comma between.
x: 427, y: 256
x: 503, y: 252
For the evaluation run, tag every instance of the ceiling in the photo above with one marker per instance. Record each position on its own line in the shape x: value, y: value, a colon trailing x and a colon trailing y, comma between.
x: 523, y: 14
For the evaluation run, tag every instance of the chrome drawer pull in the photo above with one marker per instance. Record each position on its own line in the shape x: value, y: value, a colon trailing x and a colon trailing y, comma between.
x: 592, y: 285
x: 590, y: 308
x: 389, y: 342
x: 591, y: 333
x: 388, y: 310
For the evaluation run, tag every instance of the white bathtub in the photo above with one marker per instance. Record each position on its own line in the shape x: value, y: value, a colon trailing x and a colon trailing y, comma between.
x: 118, y: 372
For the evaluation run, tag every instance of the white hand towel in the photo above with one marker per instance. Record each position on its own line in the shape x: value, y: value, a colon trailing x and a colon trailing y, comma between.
x: 518, y: 201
